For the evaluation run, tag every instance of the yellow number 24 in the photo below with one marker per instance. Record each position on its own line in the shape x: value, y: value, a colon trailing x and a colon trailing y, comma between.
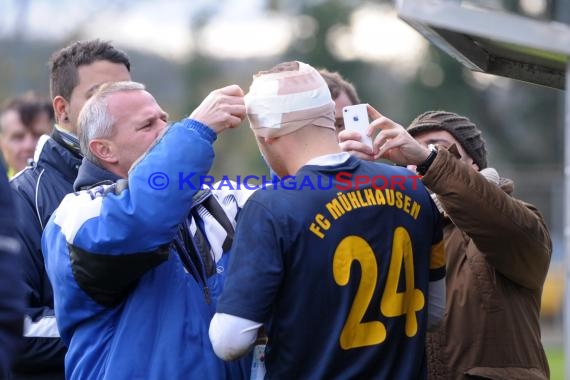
x: 356, y: 333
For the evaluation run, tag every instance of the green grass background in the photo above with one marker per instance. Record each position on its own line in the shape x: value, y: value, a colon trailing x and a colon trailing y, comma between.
x: 556, y: 361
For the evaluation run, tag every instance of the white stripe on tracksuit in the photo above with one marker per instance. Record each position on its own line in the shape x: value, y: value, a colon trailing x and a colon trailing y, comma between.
x: 46, y: 327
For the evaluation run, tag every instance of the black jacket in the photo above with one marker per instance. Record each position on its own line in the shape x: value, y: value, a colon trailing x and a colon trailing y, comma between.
x: 11, y: 300
x: 38, y: 191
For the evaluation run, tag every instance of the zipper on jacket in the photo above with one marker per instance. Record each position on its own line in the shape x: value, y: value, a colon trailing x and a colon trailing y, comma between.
x: 185, y: 256
x: 207, y: 294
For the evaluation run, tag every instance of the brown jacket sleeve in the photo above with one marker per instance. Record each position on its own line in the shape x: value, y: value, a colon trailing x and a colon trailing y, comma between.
x: 511, y: 234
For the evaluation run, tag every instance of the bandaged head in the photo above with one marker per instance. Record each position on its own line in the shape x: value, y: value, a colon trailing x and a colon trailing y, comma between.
x: 279, y: 103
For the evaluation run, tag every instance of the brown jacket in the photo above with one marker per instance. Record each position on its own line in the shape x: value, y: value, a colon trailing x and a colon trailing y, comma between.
x: 498, y: 252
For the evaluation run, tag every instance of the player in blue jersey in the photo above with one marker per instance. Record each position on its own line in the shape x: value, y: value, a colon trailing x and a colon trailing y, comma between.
x: 346, y: 281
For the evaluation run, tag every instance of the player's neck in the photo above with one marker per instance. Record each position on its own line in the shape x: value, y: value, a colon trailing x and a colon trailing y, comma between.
x: 309, y: 152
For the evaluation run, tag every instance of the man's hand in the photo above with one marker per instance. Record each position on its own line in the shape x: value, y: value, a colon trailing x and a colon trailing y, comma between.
x: 223, y: 108
x: 349, y: 141
x: 393, y: 142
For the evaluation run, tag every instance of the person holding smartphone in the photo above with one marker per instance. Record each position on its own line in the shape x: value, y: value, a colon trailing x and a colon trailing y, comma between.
x: 498, y: 248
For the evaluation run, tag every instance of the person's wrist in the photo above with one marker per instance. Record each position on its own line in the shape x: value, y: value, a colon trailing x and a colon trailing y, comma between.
x: 423, y: 166
x: 426, y: 151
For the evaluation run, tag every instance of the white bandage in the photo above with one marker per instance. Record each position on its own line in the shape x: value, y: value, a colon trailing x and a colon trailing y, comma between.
x: 280, y: 103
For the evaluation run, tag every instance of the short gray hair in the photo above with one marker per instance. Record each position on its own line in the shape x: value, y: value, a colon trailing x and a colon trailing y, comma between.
x: 95, y: 121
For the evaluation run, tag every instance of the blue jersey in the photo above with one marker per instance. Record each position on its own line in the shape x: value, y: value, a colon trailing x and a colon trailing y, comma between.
x: 339, y: 275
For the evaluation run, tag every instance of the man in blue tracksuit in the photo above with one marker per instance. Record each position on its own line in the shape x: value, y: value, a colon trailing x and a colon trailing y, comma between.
x: 132, y: 293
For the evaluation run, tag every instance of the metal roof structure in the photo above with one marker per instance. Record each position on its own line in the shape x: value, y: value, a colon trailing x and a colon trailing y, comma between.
x: 492, y: 42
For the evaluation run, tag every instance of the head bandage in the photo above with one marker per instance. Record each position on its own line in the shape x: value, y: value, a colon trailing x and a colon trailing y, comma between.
x: 280, y: 103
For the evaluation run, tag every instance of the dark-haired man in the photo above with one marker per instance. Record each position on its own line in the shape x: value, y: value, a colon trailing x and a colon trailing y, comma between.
x: 75, y: 72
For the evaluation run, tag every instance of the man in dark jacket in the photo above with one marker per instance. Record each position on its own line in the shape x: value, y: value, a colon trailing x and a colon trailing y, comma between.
x: 11, y: 300
x: 75, y: 72
x: 498, y: 249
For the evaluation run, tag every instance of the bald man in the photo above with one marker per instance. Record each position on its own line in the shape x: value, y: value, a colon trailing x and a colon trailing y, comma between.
x: 307, y: 264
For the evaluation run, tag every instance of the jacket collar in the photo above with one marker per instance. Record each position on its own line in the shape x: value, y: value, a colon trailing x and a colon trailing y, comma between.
x: 67, y: 139
x: 91, y: 175
x: 507, y: 185
x: 50, y: 153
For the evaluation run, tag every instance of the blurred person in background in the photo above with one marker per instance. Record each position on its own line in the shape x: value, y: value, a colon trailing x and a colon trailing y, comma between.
x: 23, y: 119
x: 498, y: 248
x: 75, y: 72
x: 343, y: 94
x: 11, y: 289
x: 40, y: 115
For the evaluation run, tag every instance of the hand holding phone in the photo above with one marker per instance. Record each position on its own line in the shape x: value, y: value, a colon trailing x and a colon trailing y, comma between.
x: 356, y: 119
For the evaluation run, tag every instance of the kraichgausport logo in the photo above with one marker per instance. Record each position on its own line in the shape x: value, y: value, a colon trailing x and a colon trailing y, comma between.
x: 340, y: 181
